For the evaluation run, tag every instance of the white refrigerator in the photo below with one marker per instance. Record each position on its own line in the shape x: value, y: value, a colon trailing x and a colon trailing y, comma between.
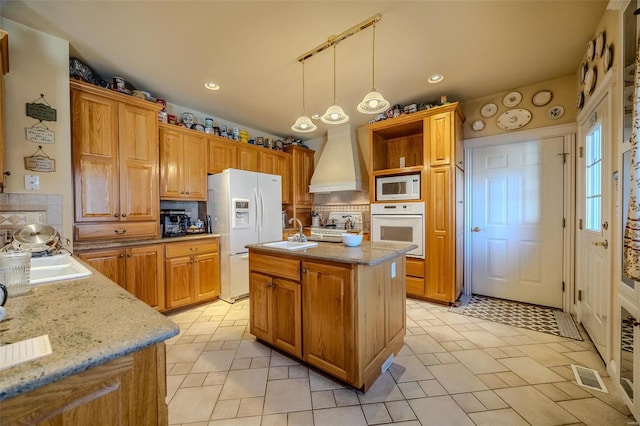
x: 245, y: 208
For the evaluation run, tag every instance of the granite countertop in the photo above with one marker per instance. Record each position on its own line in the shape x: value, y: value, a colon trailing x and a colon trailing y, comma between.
x: 368, y: 253
x: 116, y: 244
x: 89, y: 322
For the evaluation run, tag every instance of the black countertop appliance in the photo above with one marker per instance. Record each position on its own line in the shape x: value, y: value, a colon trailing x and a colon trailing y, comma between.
x: 174, y: 223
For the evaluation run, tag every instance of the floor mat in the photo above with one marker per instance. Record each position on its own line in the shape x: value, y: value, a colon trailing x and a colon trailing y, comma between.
x: 523, y: 315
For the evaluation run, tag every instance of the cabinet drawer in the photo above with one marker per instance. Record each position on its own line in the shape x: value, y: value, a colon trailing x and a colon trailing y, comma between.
x: 415, y: 267
x: 415, y: 286
x: 116, y: 231
x: 188, y: 248
x: 275, y: 266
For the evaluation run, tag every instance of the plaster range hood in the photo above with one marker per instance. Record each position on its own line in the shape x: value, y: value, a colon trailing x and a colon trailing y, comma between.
x: 340, y: 167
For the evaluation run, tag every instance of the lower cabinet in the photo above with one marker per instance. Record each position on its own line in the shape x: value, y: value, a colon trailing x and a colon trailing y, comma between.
x: 192, y: 272
x: 344, y: 319
x: 137, y: 269
x: 129, y: 390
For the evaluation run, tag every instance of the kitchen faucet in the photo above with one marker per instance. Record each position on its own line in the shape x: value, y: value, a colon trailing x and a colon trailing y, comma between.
x: 300, y: 235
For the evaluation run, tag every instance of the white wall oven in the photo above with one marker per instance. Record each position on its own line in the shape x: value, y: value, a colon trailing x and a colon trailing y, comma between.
x: 399, y: 222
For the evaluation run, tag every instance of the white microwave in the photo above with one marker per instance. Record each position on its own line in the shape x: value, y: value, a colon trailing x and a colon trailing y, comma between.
x: 391, y: 188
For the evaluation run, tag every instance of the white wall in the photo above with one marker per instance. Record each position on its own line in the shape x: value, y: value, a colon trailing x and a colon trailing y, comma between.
x: 38, y: 64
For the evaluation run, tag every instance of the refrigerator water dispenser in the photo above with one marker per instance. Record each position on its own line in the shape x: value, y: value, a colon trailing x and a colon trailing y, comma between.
x: 240, y: 213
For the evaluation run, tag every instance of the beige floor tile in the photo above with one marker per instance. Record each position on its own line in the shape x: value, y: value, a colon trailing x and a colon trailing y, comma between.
x: 228, y: 333
x: 274, y: 420
x: 419, y: 314
x: 451, y: 318
x: 499, y: 329
x: 215, y: 346
x: 592, y: 411
x: 446, y: 358
x: 173, y: 383
x: 553, y: 392
x: 213, y: 361
x: 298, y: 371
x: 193, y: 404
x: 453, y: 346
x: 411, y: 390
x: 206, y: 328
x: 278, y: 373
x: 244, y: 384
x: 511, y: 351
x: 495, y: 353
x: 229, y: 344
x: 534, y: 407
x: 376, y: 414
x: 226, y: 409
x: 465, y: 344
x: 493, y: 381
x: 483, y: 339
x: 300, y: 418
x: 490, y: 400
x: 251, y: 406
x: 180, y: 368
x: 439, y: 411
x: 252, y: 348
x: 456, y: 378
x: 478, y: 361
x: 287, y: 395
x: 323, y: 399
x: 345, y: 397
x: 504, y: 417
x: 320, y: 381
x: 194, y: 379
x: 531, y: 371
x: 428, y: 359
x: 511, y: 379
x: 352, y: 416
x: 432, y: 388
x: 409, y: 369
x: 444, y: 333
x: 184, y: 317
x: 260, y: 362
x: 423, y: 344
x: 215, y: 378
x: 184, y: 352
x: 468, y: 402
x: 244, y: 421
x: 241, y: 363
x: 202, y: 338
x: 588, y: 359
x: 545, y: 355
x: 384, y: 389
x: 572, y: 389
x: 416, y: 331
x: 279, y: 360
x: 400, y: 411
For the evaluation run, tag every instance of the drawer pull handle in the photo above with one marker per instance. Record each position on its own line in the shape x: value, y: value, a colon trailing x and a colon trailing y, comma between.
x: 124, y: 215
x: 116, y: 215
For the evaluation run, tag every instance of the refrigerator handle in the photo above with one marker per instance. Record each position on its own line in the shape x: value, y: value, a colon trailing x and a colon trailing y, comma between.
x: 261, y: 210
x: 255, y: 200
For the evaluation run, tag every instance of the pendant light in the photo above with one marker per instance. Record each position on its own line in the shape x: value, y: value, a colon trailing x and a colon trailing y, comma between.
x: 373, y: 102
x: 334, y: 114
x: 303, y: 124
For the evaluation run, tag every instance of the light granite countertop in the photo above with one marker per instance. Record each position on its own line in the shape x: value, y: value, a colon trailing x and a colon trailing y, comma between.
x: 127, y: 243
x: 89, y: 322
x: 368, y: 253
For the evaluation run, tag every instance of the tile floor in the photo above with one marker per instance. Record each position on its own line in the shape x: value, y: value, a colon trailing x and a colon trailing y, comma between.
x: 452, y: 370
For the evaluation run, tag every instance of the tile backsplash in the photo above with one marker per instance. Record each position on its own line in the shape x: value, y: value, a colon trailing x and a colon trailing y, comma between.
x: 17, y: 210
x: 344, y: 201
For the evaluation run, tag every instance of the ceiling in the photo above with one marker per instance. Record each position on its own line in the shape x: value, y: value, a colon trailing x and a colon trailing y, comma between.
x: 250, y: 48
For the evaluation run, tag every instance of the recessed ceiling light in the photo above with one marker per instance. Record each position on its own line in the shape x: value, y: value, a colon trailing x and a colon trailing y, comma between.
x: 211, y: 85
x: 436, y: 78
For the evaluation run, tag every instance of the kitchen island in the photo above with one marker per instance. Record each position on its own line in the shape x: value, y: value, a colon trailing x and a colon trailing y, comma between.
x: 340, y: 309
x: 108, y: 359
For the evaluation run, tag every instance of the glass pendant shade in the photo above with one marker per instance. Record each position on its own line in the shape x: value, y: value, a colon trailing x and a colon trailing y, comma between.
x: 334, y: 115
x: 304, y: 125
x: 373, y: 102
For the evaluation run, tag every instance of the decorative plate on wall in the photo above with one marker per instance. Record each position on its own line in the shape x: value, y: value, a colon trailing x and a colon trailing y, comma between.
x: 580, y: 100
x: 607, y: 57
x: 583, y: 71
x: 591, y: 50
x: 477, y: 125
x: 542, y: 97
x: 512, y: 99
x: 489, y: 110
x: 600, y: 39
x: 555, y: 112
x: 590, y: 81
x: 514, y: 119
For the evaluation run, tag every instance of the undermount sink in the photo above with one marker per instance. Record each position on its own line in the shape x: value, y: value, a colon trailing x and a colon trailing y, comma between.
x: 55, y: 268
x: 291, y: 245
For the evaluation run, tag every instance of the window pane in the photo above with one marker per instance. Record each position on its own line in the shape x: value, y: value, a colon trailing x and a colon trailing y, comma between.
x: 593, y: 179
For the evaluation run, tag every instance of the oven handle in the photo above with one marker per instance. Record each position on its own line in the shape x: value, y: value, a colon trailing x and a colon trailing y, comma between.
x: 396, y: 216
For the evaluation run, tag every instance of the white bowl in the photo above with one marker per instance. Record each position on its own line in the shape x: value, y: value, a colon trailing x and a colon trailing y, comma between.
x: 352, y: 240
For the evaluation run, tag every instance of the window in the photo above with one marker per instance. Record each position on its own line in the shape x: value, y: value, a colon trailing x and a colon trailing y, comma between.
x: 593, y: 174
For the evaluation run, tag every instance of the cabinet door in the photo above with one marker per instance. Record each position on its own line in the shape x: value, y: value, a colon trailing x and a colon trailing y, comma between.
x: 222, y: 155
x: 277, y: 164
x: 109, y: 262
x: 440, y: 139
x: 171, y: 159
x: 95, y: 157
x: 287, y: 319
x: 440, y: 284
x: 194, y: 166
x: 248, y: 159
x: 260, y: 309
x: 207, y: 276
x: 138, y: 149
x: 145, y: 274
x: 179, y: 281
x: 302, y: 171
x: 328, y: 323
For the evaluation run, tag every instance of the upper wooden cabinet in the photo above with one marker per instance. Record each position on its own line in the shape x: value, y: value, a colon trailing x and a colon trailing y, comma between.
x: 4, y: 66
x: 115, y: 164
x: 300, y: 199
x: 248, y: 158
x: 278, y: 163
x: 183, y: 164
x: 223, y: 154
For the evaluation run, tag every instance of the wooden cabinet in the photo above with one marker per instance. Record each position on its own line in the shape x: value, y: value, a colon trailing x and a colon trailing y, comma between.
x: 115, y: 164
x: 352, y: 317
x: 428, y: 143
x: 4, y: 68
x: 222, y: 154
x: 277, y: 163
x: 248, y: 158
x: 129, y: 390
x: 183, y: 164
x: 192, y: 272
x: 137, y: 269
x: 300, y: 199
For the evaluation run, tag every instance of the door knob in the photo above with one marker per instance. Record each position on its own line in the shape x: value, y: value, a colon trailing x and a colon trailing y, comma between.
x: 604, y: 244
x: 476, y: 229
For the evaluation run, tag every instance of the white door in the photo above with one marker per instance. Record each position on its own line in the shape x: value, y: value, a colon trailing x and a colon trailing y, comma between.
x: 593, y: 261
x: 517, y: 221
